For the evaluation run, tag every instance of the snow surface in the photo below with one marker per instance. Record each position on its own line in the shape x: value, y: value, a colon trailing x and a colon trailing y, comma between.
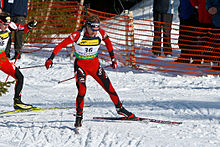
x: 193, y: 100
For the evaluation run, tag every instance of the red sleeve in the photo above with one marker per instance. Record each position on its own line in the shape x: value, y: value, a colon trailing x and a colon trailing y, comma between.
x: 26, y: 29
x: 21, y: 27
x: 72, y: 38
x: 106, y: 39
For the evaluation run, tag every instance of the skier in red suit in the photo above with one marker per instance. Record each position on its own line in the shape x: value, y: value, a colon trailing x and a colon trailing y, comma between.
x: 87, y: 42
x: 8, y: 67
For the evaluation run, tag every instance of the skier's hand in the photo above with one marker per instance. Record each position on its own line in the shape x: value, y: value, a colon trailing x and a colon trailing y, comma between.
x: 48, y: 63
x: 13, y: 26
x: 32, y: 24
x: 114, y: 63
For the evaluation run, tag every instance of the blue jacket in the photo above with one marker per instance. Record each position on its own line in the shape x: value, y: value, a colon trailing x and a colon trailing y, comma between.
x: 215, y: 17
x: 18, y: 8
x: 163, y: 6
x: 186, y: 10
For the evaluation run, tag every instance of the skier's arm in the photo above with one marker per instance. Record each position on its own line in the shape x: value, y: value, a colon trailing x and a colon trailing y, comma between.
x: 26, y: 27
x: 72, y: 38
x: 109, y: 46
x: 61, y: 45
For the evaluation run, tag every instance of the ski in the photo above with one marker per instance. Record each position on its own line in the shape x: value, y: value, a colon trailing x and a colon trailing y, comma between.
x: 36, y: 109
x: 140, y: 119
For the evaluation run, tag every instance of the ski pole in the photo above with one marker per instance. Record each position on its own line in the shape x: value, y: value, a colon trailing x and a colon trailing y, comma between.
x: 31, y: 66
x: 67, y: 79
x: 38, y: 66
x: 75, y: 76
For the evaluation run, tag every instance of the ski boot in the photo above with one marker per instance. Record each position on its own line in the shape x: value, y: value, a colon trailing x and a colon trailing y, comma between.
x: 78, y: 122
x: 126, y: 113
x: 19, y: 105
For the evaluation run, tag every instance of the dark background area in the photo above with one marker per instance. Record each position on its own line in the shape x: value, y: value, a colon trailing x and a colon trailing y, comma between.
x: 110, y: 6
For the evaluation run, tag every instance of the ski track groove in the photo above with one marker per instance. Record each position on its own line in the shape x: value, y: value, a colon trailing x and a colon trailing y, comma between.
x: 88, y: 137
x: 103, y: 140
x: 68, y: 140
x: 23, y: 139
x: 139, y: 141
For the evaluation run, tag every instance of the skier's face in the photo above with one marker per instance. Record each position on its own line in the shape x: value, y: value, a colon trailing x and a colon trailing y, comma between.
x: 91, y: 32
x: 3, y: 26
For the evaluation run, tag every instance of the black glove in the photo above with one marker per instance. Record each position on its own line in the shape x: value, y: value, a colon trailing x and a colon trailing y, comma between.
x: 49, y: 61
x: 32, y: 24
x: 114, y: 63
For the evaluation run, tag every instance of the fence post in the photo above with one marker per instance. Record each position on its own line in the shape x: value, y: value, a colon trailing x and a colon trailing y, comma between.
x: 127, y: 39
x: 131, y: 31
x: 77, y: 26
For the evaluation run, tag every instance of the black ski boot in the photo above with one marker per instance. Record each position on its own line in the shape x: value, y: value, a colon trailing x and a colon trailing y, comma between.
x: 126, y: 113
x: 78, y: 122
x: 19, y: 105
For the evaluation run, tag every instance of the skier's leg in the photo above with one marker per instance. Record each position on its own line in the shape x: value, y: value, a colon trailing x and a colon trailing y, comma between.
x: 101, y: 77
x: 10, y: 69
x: 19, y: 82
x: 105, y: 82
x: 18, y: 104
x: 81, y: 86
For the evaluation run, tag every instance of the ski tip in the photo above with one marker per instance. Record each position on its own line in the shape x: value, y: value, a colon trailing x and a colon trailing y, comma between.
x: 180, y: 122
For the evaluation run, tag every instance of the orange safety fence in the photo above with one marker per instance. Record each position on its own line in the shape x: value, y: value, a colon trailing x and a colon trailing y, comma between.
x: 193, y: 50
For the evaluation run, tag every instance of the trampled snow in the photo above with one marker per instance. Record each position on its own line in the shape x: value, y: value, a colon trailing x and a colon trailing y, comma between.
x: 195, y: 101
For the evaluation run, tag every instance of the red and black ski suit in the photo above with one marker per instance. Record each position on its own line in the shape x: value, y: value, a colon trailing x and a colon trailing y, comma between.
x: 87, y: 63
x: 5, y: 65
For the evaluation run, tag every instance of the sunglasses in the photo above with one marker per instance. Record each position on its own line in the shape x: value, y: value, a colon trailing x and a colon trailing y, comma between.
x: 94, y: 26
